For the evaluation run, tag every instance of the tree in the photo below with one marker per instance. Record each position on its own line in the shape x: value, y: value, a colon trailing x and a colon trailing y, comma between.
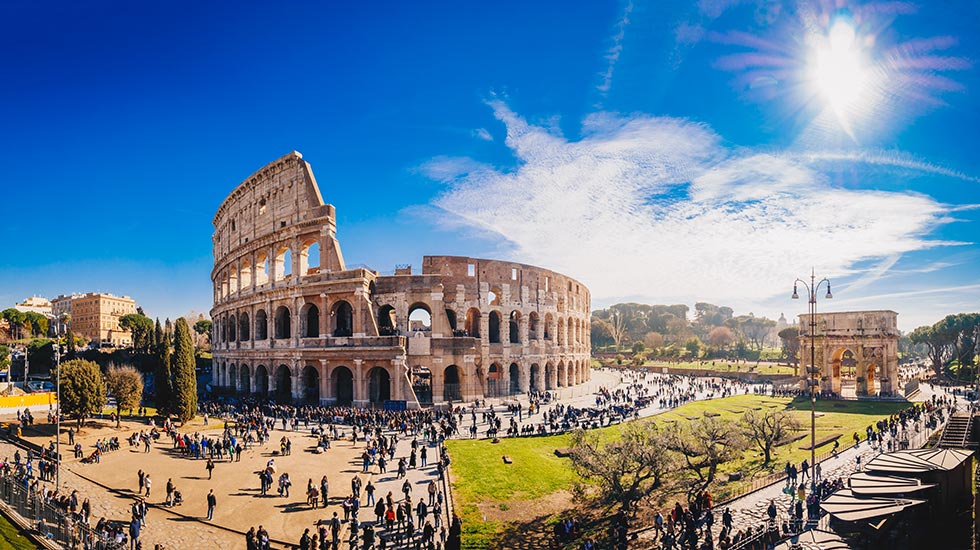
x: 126, y: 385
x: 693, y: 346
x: 753, y: 329
x: 939, y: 343
x: 203, y: 327
x: 162, y: 377
x: 139, y: 327
x: 5, y: 360
x: 705, y: 444
x: 790, y: 338
x: 721, y: 337
x: 36, y: 322
x: 767, y: 429
x: 16, y: 319
x: 628, y: 469
x: 82, y: 389
x: 653, y: 340
x: 184, y: 399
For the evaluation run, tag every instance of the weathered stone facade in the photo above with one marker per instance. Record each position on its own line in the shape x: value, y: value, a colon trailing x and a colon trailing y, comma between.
x: 291, y: 321
x: 854, y: 347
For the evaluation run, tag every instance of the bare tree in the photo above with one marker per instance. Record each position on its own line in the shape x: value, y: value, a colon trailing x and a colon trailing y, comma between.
x: 125, y: 384
x: 626, y: 470
x: 705, y: 444
x: 767, y: 429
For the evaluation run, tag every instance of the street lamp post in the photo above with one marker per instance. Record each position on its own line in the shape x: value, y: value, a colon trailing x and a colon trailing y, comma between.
x: 57, y: 417
x: 812, y: 371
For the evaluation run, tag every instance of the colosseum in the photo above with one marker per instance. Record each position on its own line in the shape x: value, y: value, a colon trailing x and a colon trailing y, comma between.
x: 292, y: 322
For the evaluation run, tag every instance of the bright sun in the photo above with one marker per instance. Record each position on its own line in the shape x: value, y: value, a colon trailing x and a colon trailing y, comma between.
x: 837, y: 70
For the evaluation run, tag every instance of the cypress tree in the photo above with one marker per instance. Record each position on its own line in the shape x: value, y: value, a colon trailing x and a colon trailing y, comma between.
x: 157, y: 335
x: 184, y: 401
x: 162, y: 382
x: 70, y: 345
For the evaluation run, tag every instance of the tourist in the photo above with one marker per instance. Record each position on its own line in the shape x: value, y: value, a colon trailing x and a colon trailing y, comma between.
x: 210, y: 467
x: 212, y: 502
x: 147, y: 482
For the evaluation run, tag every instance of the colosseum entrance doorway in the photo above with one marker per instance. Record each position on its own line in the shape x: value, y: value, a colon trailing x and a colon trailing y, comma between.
x: 494, y: 388
x: 379, y: 385
x: 284, y: 384
x: 515, y: 379
x: 535, y: 383
x: 261, y: 381
x: 343, y: 385
x: 311, y: 385
x: 245, y: 381
x: 451, y: 389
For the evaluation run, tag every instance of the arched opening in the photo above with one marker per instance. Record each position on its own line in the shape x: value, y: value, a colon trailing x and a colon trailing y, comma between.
x: 310, y: 385
x: 387, y: 321
x: 343, y: 385
x: 472, y: 327
x: 419, y: 318
x: 451, y: 316
x: 233, y: 281
x: 844, y: 368
x: 493, y: 297
x: 515, y: 327
x: 312, y: 321
x: 243, y: 326
x: 561, y: 332
x: 261, y: 269
x: 494, y: 327
x: 870, y: 376
x: 451, y: 386
x: 532, y: 326
x: 309, y: 259
x: 232, y: 326
x: 261, y: 325
x: 561, y: 375
x: 231, y: 376
x: 534, y: 384
x: 549, y: 333
x: 515, y: 379
x: 244, y: 381
x: 283, y: 329
x: 549, y: 376
x: 245, y: 275
x: 494, y: 388
x: 570, y: 335
x: 261, y: 381
x: 284, y: 263
x: 284, y: 384
x: 343, y: 319
x: 379, y: 385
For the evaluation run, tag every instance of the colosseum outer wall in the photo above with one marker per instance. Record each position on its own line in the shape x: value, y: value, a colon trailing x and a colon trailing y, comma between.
x: 292, y: 323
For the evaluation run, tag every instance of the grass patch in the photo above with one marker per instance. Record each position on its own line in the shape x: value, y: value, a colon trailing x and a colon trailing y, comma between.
x: 723, y: 366
x: 481, y: 478
x: 10, y: 537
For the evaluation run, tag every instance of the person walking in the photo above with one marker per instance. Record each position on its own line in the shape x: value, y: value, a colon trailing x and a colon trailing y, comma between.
x: 134, y: 534
x: 212, y: 502
x: 147, y: 482
x: 210, y: 467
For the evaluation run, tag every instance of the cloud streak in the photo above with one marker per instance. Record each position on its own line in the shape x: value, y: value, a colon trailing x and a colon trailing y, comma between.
x: 663, y: 207
x: 613, y: 53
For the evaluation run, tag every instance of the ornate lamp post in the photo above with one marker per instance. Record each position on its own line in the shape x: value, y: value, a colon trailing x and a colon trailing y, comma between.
x: 813, y: 373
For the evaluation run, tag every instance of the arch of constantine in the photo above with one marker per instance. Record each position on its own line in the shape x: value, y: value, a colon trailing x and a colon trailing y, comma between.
x: 855, y: 351
x: 294, y: 323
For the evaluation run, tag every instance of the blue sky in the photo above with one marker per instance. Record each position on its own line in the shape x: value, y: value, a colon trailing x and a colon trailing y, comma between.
x: 659, y: 151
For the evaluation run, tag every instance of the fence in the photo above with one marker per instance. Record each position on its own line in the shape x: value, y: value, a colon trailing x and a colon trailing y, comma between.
x: 60, y: 527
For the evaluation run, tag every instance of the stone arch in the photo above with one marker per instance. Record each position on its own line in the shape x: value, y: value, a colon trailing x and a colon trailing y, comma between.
x: 309, y: 257
x: 561, y: 374
x: 419, y: 317
x: 452, y: 384
x: 570, y: 335
x: 310, y: 384
x: 261, y: 381
x: 343, y: 319
x: 473, y: 322
x: 549, y: 376
x: 284, y: 263
x: 231, y: 376
x: 533, y: 326
x: 233, y: 281
x: 493, y: 296
x: 493, y: 328
x: 261, y: 325
x: 261, y: 269
x: 243, y: 327
x: 387, y: 321
x: 844, y: 364
x: 343, y: 385
x: 494, y: 380
x: 244, y: 381
x: 232, y: 328
x: 379, y: 385
x: 534, y: 380
x: 245, y: 274
x: 514, y: 324
x: 283, y: 328
x: 515, y: 379
x: 310, y: 319
x: 284, y: 384
x: 549, y: 331
x: 451, y: 317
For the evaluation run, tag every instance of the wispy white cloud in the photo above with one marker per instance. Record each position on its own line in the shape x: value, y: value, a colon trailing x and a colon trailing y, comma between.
x: 614, y: 51
x: 661, y: 206
x: 482, y: 133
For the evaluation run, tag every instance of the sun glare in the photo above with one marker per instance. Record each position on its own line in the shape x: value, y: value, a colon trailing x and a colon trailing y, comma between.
x: 838, y: 71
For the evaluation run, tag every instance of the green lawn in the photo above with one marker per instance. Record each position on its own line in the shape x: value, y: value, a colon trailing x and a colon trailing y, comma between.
x: 725, y: 366
x: 10, y: 537
x: 481, y: 477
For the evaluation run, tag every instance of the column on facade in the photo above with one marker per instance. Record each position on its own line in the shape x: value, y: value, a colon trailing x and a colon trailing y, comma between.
x: 324, y: 314
x: 324, y: 370
x: 399, y: 379
x: 524, y: 378
x: 360, y: 391
x: 297, y: 369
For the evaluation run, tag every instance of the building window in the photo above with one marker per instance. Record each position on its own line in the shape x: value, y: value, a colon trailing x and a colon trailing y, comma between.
x: 471, y: 270
x: 513, y: 274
